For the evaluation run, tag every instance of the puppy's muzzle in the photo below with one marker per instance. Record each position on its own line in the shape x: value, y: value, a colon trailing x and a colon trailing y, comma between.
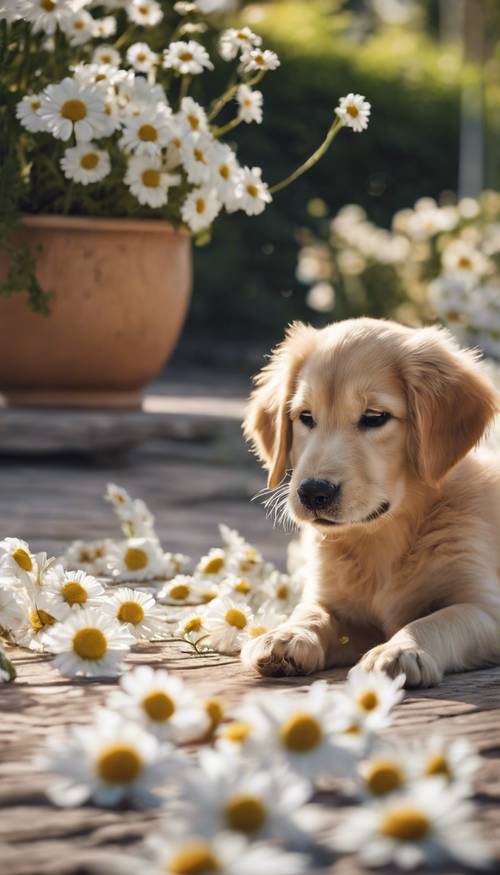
x: 318, y: 495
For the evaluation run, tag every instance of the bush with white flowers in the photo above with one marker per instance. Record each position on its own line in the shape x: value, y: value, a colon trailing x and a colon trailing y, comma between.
x: 241, y: 804
x: 98, y: 118
x: 437, y: 261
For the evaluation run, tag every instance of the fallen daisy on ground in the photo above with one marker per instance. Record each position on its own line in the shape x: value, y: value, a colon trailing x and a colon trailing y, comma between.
x: 89, y: 643
x: 226, y: 621
x: 136, y: 611
x: 73, y: 588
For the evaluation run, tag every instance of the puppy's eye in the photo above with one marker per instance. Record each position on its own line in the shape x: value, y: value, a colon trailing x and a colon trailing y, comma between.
x: 374, y: 419
x: 306, y: 419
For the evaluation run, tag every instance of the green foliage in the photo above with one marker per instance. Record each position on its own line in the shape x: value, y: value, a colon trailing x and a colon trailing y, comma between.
x: 245, y: 281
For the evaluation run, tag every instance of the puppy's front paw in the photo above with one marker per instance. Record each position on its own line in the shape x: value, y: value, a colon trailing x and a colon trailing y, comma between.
x: 420, y: 668
x: 286, y: 650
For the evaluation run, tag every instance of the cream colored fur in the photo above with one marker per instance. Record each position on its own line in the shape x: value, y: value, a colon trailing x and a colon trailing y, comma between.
x: 417, y: 589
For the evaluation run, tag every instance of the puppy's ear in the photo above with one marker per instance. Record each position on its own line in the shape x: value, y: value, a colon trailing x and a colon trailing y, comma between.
x: 450, y: 402
x: 267, y: 422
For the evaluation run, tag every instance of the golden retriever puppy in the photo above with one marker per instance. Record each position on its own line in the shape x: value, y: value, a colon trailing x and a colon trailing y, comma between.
x: 376, y: 423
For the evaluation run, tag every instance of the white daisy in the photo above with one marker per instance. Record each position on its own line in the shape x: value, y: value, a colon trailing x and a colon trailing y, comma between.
x: 147, y: 133
x: 192, y: 117
x: 224, y: 793
x: 162, y: 704
x: 106, y: 55
x: 149, y: 182
x: 387, y: 770
x: 453, y: 760
x: 265, y: 619
x: 135, y: 558
x: 191, y: 627
x: 46, y: 15
x: 224, y: 171
x: 136, y: 94
x: 142, y: 58
x: 73, y: 588
x: 252, y: 194
x: 300, y: 729
x: 85, y: 163
x: 463, y: 259
x: 370, y: 696
x: 177, y: 849
x: 226, y: 621
x: 106, y: 762
x: 181, y: 590
x: 104, y: 27
x: 282, y: 591
x: 196, y: 153
x: 244, y: 734
x: 187, y: 58
x: 354, y: 112
x: 41, y: 613
x: 70, y: 107
x: 89, y: 643
x: 17, y: 559
x: 101, y: 76
x: 11, y: 605
x: 118, y: 497
x: 144, y: 12
x: 136, y: 611
x: 28, y: 113
x: 79, y: 27
x: 200, y: 208
x: 235, y: 40
x: 258, y: 59
x: 213, y: 563
x: 250, y: 104
x: 86, y: 555
x: 429, y: 823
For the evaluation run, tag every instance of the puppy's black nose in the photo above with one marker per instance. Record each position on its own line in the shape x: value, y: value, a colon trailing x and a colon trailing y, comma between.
x: 318, y: 494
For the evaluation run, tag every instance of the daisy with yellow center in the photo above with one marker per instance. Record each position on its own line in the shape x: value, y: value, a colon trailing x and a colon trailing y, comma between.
x: 192, y: 118
x: 200, y: 208
x: 147, y: 13
x: 386, y: 771
x: 425, y: 825
x: 249, y: 104
x: 89, y: 643
x: 73, y: 108
x: 178, y: 850
x: 17, y: 560
x: 73, y: 588
x: 181, y: 590
x: 146, y: 134
x: 252, y: 193
x: 142, y: 58
x: 453, y: 761
x: 300, y: 731
x: 136, y: 611
x: 224, y: 793
x: 258, y: 60
x: 86, y: 555
x: 465, y: 261
x: 85, y: 163
x: 28, y: 113
x: 45, y: 16
x: 42, y: 613
x: 265, y: 619
x: 191, y: 627
x: 106, y: 54
x: 79, y: 27
x: 235, y: 40
x: 106, y: 762
x: 135, y: 559
x: 354, y: 112
x: 148, y: 181
x: 197, y: 151
x: 162, y: 704
x: 370, y: 697
x: 226, y: 621
x: 214, y: 563
x: 187, y: 58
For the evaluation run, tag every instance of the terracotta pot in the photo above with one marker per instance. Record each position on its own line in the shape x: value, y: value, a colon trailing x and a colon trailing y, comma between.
x: 121, y: 290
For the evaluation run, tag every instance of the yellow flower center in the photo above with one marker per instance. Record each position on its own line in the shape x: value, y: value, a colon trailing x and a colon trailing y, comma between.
x: 194, y: 122
x: 151, y: 179
x: 241, y: 35
x: 39, y: 619
x: 186, y: 56
x: 180, y: 591
x: 405, y: 824
x: 464, y: 263
x: 74, y: 110
x: 131, y: 612
x: 74, y: 593
x: 243, y: 587
x: 215, y: 563
x: 237, y: 732
x: 105, y: 58
x: 100, y: 77
x: 193, y: 625
x: 352, y: 110
x: 438, y: 765
x: 89, y: 161
x: 136, y: 559
x: 23, y: 559
x: 209, y: 596
x: 301, y: 733
x: 199, y: 156
x: 368, y: 700
x: 247, y: 102
x: 200, y: 209
x: 144, y: 10
x: 236, y: 618
x: 177, y: 142
x: 245, y: 813
x: 35, y: 104
x: 90, y: 643
x: 158, y: 706
x: 119, y: 764
x: 282, y: 592
x: 353, y: 729
x: 78, y: 24
x: 141, y: 57
x: 453, y: 316
x: 48, y: 5
x: 215, y: 711
x: 256, y: 631
x: 259, y: 59
x: 194, y: 859
x: 224, y: 171
x: 252, y: 190
x: 148, y: 133
x: 383, y: 777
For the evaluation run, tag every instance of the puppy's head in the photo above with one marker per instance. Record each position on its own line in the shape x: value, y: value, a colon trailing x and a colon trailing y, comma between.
x: 359, y: 411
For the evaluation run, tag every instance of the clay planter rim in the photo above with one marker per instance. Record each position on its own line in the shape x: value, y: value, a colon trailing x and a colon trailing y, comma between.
x: 98, y: 223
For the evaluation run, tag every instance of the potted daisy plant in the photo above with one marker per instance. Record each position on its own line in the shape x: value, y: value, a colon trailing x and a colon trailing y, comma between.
x: 109, y: 167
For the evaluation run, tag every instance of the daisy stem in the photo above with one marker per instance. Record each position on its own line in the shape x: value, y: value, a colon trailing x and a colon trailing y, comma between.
x: 312, y: 160
x: 219, y: 132
x: 185, y: 83
x: 230, y: 92
x: 126, y: 35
